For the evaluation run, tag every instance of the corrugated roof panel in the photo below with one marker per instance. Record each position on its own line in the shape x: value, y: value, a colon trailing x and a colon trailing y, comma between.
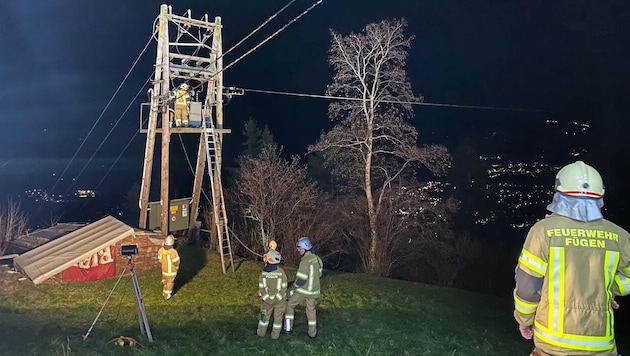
x: 53, y: 257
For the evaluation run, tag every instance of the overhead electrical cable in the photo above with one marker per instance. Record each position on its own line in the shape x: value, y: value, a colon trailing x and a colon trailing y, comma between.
x: 85, y: 139
x: 272, y: 35
x: 257, y: 28
x: 260, y: 43
x: 421, y: 103
x: 109, y: 133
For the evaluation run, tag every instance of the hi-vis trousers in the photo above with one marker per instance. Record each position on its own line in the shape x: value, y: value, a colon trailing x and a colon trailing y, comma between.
x: 278, y: 307
x: 311, y: 314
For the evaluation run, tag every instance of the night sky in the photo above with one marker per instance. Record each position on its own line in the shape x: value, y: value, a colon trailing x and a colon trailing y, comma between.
x: 62, y: 60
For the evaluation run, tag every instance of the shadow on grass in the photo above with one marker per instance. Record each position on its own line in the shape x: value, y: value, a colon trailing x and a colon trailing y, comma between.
x: 192, y: 260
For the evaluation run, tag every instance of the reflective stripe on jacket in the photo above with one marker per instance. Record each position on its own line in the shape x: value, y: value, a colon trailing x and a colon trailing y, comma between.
x: 273, y: 285
x: 310, y: 270
x: 182, y: 97
x: 169, y: 259
x: 583, y: 266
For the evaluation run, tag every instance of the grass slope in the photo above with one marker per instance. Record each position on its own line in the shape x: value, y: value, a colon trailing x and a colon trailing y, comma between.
x: 216, y: 314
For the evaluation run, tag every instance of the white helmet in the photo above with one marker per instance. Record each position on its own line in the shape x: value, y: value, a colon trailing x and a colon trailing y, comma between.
x: 169, y: 240
x: 184, y: 86
x: 272, y: 257
x: 305, y: 243
x: 580, y: 180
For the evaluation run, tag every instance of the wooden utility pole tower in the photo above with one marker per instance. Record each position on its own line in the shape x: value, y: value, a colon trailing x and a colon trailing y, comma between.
x: 184, y: 56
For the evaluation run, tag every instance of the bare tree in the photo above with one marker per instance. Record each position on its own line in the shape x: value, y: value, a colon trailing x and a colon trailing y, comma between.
x: 13, y: 223
x: 278, y: 202
x: 373, y: 147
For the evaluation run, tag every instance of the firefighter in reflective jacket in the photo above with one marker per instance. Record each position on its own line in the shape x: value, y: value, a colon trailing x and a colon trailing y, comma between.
x: 306, y: 287
x: 272, y: 288
x: 182, y: 102
x: 572, y: 265
x: 169, y: 258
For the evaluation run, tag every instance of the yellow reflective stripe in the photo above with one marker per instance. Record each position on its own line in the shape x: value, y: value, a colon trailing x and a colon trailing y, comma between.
x: 301, y: 275
x: 304, y: 291
x: 533, y: 262
x: 523, y: 306
x: 622, y: 279
x: 611, y: 260
x: 623, y: 283
x: 310, y: 276
x: 574, y: 342
x: 556, y: 289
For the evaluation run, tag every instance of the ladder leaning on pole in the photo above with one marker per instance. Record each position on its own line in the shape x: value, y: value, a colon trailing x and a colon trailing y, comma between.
x: 218, y: 203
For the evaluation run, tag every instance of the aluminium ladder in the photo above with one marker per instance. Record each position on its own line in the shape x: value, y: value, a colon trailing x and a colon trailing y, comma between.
x: 218, y: 203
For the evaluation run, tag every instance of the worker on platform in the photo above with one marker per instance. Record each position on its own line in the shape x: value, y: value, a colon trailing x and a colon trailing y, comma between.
x: 181, y: 95
x: 169, y: 259
x: 572, y: 265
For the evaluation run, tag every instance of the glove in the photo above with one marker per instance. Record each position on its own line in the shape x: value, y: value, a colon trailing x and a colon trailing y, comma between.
x: 614, y: 304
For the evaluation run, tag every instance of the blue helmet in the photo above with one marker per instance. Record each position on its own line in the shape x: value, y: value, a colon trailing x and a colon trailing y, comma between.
x: 305, y: 243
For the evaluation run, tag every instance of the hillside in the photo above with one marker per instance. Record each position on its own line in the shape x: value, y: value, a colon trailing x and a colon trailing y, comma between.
x: 216, y: 314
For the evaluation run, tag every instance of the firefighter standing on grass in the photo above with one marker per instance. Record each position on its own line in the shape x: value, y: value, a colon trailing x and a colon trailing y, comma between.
x: 572, y: 265
x: 169, y: 258
x: 272, y: 288
x: 306, y: 287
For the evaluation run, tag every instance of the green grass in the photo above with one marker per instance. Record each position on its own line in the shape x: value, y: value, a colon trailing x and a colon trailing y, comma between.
x: 216, y: 314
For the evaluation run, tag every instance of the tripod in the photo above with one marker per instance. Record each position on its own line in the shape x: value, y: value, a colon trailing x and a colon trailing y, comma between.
x: 142, y: 315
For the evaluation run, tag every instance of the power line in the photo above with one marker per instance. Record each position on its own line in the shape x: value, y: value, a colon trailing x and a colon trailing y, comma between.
x: 102, y: 113
x: 420, y: 103
x: 245, y: 38
x: 272, y: 35
x: 109, y: 133
x: 257, y: 28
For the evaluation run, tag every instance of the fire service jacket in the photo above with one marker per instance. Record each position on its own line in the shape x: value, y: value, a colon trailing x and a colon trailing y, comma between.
x: 272, y: 285
x: 567, y: 275
x: 310, y: 270
x: 169, y: 258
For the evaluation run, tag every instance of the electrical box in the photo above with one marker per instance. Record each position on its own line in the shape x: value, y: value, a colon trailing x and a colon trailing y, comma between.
x: 178, y: 214
x: 194, y: 115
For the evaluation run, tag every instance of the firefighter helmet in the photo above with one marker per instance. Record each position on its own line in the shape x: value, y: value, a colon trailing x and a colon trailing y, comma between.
x: 272, y: 257
x: 184, y: 86
x: 580, y: 180
x: 169, y: 240
x: 305, y: 243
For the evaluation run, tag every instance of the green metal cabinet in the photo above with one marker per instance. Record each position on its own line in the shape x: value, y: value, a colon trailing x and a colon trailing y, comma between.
x: 178, y: 214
